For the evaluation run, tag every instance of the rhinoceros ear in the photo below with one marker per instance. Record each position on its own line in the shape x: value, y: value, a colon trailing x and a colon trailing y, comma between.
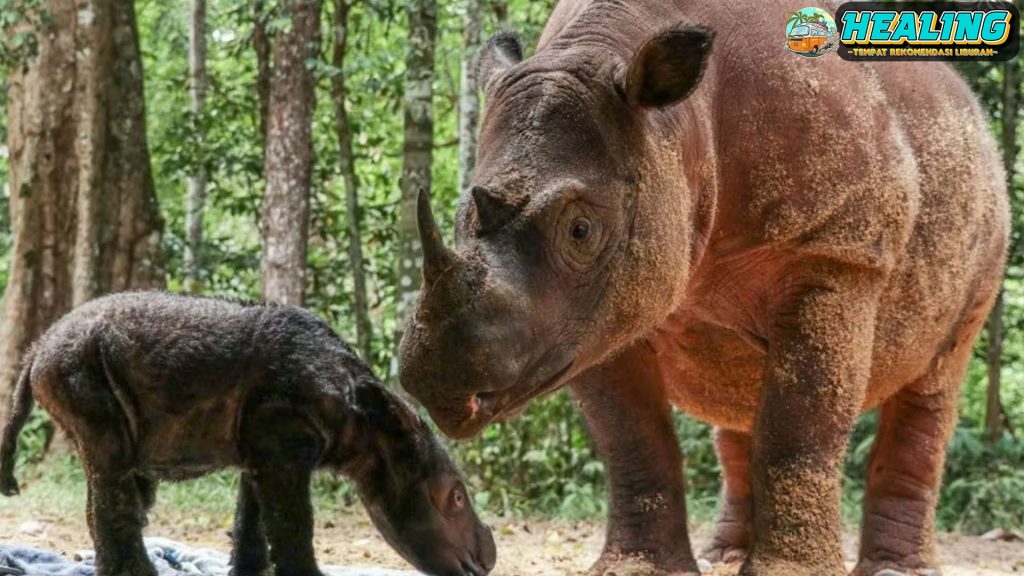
x: 668, y: 67
x: 502, y: 51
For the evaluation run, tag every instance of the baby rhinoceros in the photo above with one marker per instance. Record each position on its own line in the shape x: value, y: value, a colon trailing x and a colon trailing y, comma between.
x: 154, y: 386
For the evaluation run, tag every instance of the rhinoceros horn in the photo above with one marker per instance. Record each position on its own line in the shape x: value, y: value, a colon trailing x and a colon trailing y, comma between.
x: 436, y: 256
x: 492, y: 211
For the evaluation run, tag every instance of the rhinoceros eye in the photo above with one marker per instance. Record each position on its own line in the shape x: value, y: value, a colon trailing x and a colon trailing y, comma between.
x: 580, y: 229
x: 580, y: 235
x: 456, y: 500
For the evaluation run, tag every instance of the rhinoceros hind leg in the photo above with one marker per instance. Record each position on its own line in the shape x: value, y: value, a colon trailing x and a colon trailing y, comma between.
x: 731, y: 538
x: 904, y: 475
x: 905, y: 468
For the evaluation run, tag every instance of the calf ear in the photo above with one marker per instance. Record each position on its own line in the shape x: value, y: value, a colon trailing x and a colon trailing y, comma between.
x: 405, y: 416
x: 668, y: 67
x: 502, y: 51
x: 388, y: 410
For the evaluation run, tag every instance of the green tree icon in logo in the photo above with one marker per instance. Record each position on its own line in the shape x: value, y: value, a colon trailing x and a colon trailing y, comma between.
x: 798, y: 18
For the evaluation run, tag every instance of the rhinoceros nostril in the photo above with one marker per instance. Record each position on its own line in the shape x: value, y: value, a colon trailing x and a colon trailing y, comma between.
x: 485, y: 400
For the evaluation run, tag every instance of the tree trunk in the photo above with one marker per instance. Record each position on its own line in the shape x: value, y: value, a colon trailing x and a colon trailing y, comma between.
x: 501, y: 13
x: 84, y: 213
x: 417, y: 150
x: 469, y: 95
x: 288, y: 159
x: 261, y: 45
x: 994, y: 419
x: 195, y: 199
x: 346, y: 162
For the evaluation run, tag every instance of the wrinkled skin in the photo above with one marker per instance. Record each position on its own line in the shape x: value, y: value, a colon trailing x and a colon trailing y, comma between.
x: 153, y: 386
x: 686, y: 215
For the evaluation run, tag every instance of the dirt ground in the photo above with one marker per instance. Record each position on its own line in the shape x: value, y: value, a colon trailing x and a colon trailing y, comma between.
x: 525, y: 548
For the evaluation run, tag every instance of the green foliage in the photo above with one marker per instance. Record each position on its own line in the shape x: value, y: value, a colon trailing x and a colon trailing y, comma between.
x: 58, y: 484
x: 984, y: 484
x: 19, y: 22
x: 543, y: 462
x: 35, y: 438
x: 703, y: 472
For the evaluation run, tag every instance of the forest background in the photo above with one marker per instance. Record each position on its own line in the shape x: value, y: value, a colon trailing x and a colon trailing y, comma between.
x: 272, y: 149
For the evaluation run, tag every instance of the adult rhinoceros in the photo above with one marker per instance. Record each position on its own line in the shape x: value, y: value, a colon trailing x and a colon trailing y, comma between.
x: 672, y: 210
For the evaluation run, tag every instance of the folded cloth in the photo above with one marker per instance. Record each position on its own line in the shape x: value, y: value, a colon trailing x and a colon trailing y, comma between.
x: 170, y: 559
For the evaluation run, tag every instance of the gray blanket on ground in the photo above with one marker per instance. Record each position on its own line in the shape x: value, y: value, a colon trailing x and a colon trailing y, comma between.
x: 170, y: 559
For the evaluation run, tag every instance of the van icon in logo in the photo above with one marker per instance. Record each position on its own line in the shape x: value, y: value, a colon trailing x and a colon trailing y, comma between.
x: 811, y: 32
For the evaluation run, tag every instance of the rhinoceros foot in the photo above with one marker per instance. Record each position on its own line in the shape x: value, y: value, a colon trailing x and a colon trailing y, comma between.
x: 871, y: 569
x: 628, y: 565
x: 766, y: 566
x: 724, y: 550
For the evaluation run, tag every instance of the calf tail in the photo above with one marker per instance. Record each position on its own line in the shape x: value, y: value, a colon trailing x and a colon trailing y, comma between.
x: 21, y: 408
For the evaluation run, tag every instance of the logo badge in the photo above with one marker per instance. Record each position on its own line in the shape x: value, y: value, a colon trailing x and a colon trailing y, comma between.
x: 928, y: 30
x: 811, y: 33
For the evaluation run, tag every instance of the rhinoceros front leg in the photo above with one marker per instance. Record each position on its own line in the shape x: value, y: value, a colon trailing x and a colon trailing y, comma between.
x: 630, y: 420
x: 731, y: 538
x: 816, y: 371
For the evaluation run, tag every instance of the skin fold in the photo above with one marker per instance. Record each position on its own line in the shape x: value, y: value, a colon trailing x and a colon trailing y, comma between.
x: 670, y: 210
x: 152, y: 386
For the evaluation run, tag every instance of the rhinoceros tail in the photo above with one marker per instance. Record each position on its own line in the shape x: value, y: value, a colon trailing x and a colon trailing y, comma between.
x: 21, y: 408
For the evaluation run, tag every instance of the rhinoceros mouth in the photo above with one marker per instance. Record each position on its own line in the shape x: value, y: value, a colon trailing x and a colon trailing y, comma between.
x: 483, y: 408
x: 504, y: 405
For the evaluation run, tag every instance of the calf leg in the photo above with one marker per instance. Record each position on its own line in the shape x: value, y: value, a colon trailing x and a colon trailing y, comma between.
x: 90, y: 518
x: 905, y: 470
x: 249, y: 550
x: 117, y: 503
x: 630, y: 420
x: 732, y: 528
x: 147, y: 492
x: 281, y: 449
x: 284, y: 502
x: 118, y: 511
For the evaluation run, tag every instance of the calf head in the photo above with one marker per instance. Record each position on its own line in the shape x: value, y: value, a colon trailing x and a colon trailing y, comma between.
x: 414, y: 493
x: 565, y: 248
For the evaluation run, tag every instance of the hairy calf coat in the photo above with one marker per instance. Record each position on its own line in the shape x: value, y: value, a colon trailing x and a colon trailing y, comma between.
x: 152, y: 386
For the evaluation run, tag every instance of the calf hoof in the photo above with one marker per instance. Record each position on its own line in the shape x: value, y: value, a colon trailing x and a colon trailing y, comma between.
x: 9, y: 486
x: 629, y: 565
x: 251, y: 561
x: 242, y: 571
x: 137, y: 569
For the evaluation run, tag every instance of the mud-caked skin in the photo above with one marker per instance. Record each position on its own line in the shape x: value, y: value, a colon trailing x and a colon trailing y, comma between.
x: 152, y: 386
x: 670, y: 209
